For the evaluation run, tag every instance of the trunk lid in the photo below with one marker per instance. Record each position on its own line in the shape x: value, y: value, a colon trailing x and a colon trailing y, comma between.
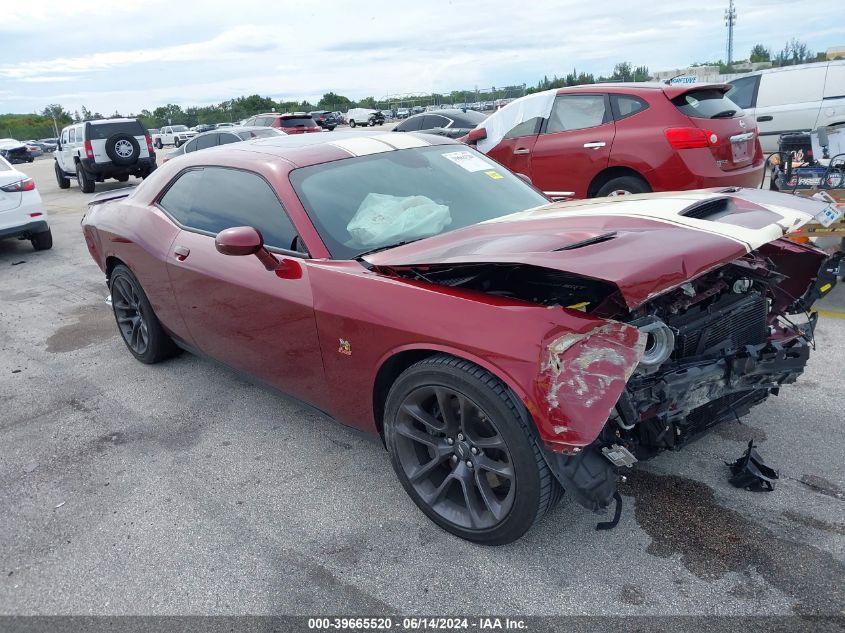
x: 708, y: 109
x: 643, y: 244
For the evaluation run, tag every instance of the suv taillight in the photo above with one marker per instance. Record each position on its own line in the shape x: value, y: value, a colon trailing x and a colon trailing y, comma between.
x: 690, y: 137
x: 89, y: 151
x: 27, y: 184
x: 150, y: 148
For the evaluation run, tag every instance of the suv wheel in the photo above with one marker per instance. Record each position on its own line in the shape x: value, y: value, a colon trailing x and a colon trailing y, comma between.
x: 42, y: 241
x: 64, y: 181
x: 623, y: 185
x: 123, y: 149
x: 86, y: 183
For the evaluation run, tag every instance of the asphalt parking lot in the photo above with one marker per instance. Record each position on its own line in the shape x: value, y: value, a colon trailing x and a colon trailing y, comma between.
x: 181, y: 488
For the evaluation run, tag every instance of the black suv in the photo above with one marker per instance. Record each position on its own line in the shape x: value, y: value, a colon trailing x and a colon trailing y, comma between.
x: 324, y: 119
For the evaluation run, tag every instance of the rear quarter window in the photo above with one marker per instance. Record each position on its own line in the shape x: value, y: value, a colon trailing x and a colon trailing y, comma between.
x: 707, y: 104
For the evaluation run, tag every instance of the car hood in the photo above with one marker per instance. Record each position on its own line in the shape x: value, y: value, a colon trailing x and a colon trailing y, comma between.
x: 644, y: 244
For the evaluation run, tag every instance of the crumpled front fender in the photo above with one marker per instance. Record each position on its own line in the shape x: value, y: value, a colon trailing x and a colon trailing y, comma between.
x: 580, y: 379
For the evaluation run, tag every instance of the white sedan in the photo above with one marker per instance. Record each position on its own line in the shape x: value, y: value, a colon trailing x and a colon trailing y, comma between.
x: 22, y: 213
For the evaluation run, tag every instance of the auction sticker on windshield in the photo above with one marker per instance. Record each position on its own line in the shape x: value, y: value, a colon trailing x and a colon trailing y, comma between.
x: 467, y: 160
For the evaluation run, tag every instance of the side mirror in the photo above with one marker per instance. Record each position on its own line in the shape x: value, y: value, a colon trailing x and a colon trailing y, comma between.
x: 475, y: 135
x: 245, y: 240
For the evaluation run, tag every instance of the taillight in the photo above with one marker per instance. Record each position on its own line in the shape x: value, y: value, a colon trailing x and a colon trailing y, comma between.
x: 27, y: 184
x: 89, y: 151
x: 150, y: 148
x: 690, y: 137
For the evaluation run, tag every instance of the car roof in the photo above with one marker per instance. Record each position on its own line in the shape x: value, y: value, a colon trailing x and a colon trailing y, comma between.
x: 234, y: 129
x: 311, y: 149
x: 671, y: 90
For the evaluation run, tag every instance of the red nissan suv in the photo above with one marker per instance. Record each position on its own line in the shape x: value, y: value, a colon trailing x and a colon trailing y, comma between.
x: 290, y: 123
x: 610, y: 139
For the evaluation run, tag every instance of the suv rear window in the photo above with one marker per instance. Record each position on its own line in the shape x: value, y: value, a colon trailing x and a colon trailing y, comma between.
x: 300, y: 121
x: 105, y: 130
x: 707, y: 104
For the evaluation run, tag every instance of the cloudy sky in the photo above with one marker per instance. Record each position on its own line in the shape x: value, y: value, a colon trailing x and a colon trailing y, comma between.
x: 130, y: 56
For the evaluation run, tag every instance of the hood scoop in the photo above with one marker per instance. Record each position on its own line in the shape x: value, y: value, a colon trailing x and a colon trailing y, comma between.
x: 711, y: 209
x: 598, y: 239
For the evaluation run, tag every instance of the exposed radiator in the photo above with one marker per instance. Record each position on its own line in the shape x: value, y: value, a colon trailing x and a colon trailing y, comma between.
x: 730, y: 323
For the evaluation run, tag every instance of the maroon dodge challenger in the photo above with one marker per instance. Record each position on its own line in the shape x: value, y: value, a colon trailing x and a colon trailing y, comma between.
x: 504, y: 348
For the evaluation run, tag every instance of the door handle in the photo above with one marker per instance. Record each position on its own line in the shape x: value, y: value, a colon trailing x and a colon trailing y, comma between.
x: 181, y: 253
x: 763, y: 118
x: 595, y: 144
x: 521, y: 151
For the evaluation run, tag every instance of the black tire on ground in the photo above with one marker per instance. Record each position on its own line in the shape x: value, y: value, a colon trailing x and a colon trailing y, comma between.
x: 478, y: 471
x: 138, y: 325
x: 123, y: 149
x: 623, y: 185
x: 64, y: 181
x: 158, y: 144
x: 42, y: 241
x: 122, y: 178
x: 86, y: 183
x: 352, y: 124
x: 177, y: 143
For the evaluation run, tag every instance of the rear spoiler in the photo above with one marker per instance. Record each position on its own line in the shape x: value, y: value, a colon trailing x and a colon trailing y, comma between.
x: 676, y: 90
x: 108, y: 196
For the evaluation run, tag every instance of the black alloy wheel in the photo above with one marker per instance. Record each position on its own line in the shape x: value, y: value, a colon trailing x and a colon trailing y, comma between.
x: 454, y: 457
x: 461, y: 449
x: 137, y: 322
x: 131, y: 320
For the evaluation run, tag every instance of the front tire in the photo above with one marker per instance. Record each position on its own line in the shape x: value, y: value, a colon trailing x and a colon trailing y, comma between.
x: 86, y: 183
x: 61, y: 179
x: 460, y: 445
x: 623, y: 185
x: 137, y: 323
x: 42, y: 241
x: 352, y: 124
x: 158, y: 144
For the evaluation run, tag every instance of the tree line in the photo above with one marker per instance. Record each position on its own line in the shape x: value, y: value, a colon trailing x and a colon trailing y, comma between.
x: 54, y: 117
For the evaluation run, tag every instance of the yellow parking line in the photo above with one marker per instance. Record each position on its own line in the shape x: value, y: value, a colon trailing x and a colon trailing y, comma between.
x: 831, y: 313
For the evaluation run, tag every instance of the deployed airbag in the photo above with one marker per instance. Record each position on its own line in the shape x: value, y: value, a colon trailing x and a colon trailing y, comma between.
x: 384, y: 219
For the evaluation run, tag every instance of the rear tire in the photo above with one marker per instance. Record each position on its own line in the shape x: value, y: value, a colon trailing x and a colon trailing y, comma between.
x: 64, y: 181
x: 86, y: 183
x: 138, y: 325
x: 122, y: 178
x: 477, y: 471
x: 42, y: 241
x: 623, y: 185
x: 158, y: 144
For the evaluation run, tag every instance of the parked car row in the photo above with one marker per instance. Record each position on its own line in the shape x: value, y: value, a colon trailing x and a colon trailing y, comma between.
x: 223, y: 136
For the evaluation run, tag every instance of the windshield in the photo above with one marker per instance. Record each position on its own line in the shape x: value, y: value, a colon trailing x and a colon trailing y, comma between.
x: 365, y: 203
x: 707, y: 103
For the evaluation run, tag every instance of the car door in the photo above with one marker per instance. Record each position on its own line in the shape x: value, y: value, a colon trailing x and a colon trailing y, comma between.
x: 574, y: 144
x: 514, y: 150
x: 254, y: 320
x: 64, y: 153
x: 788, y: 100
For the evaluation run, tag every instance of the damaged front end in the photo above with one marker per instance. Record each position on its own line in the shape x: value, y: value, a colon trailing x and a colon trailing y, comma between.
x: 715, y: 347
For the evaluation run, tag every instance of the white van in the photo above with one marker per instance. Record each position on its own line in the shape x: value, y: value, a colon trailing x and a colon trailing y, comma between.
x: 792, y: 99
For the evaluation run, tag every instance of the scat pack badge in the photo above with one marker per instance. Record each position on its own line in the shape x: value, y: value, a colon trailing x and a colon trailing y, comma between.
x: 344, y: 347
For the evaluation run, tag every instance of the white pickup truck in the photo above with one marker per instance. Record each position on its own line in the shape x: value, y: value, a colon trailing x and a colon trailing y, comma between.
x: 173, y: 135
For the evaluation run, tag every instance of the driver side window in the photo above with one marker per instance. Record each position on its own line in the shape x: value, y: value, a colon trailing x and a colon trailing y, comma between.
x: 210, y: 199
